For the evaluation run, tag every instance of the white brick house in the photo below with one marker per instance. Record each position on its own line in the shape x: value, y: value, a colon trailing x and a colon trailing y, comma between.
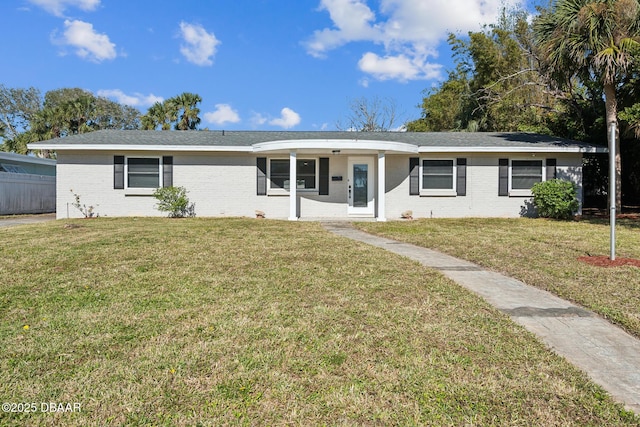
x: 335, y: 174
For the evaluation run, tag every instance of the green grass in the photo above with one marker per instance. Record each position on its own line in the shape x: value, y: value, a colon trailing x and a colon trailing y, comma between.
x: 542, y: 253
x: 250, y: 322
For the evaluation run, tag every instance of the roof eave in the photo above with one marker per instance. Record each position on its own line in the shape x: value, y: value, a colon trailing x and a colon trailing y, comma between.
x: 496, y: 149
x: 138, y: 147
x: 21, y: 158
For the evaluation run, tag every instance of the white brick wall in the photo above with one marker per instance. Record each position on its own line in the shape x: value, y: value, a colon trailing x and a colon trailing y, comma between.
x: 225, y: 185
x: 481, y: 198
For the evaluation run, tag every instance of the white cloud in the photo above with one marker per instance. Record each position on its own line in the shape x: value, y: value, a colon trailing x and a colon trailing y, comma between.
x: 57, y: 7
x: 135, y: 100
x: 88, y: 43
x: 353, y: 21
x: 223, y: 114
x: 288, y: 119
x: 399, y: 67
x: 408, y: 31
x: 258, y: 119
x: 199, y: 46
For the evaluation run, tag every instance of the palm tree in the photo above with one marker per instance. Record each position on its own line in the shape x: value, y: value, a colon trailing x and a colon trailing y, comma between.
x: 584, y: 38
x: 187, y: 103
x: 159, y: 114
x: 78, y: 114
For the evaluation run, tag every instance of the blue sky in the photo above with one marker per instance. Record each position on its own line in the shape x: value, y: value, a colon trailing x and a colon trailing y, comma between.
x: 257, y: 64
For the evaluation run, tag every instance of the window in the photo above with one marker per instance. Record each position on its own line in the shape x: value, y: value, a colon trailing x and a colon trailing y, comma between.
x: 437, y: 177
x: 279, y: 174
x: 306, y: 174
x: 4, y: 167
x: 517, y: 176
x: 525, y: 173
x: 143, y: 172
x: 141, y: 175
x: 437, y: 174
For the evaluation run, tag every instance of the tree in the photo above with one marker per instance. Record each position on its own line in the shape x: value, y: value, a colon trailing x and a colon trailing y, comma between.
x: 158, y: 115
x: 370, y: 115
x: 495, y: 86
x: 182, y: 111
x: 186, y: 107
x: 443, y: 109
x: 27, y: 118
x: 584, y: 38
x: 70, y: 111
x: 18, y: 106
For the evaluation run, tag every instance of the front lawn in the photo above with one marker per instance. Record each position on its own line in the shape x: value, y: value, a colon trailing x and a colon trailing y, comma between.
x: 542, y: 253
x: 252, y: 322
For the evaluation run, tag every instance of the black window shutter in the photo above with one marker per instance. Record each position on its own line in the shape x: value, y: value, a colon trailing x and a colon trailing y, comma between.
x: 167, y: 171
x: 503, y: 177
x: 323, y: 185
x: 461, y: 177
x: 551, y: 168
x: 414, y: 176
x: 261, y: 163
x: 118, y: 172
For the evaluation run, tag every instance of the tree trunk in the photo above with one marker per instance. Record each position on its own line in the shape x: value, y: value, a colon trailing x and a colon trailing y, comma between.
x: 611, y: 107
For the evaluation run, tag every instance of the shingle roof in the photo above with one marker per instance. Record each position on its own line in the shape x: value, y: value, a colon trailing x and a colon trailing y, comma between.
x: 248, y: 138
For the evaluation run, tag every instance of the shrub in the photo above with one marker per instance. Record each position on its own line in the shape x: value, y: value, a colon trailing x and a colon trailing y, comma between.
x: 556, y: 198
x: 175, y: 201
x: 87, y: 211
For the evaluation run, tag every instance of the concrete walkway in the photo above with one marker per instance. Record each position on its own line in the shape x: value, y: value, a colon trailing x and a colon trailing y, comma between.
x: 610, y: 356
x: 11, y: 221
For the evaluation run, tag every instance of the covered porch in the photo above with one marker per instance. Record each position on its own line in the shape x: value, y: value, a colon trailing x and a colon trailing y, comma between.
x: 341, y: 178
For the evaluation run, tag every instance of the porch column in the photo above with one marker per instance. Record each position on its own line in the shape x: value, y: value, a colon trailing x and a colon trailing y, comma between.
x: 293, y: 185
x: 382, y: 172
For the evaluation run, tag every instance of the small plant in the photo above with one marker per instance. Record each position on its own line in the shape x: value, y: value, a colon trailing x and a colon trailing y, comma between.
x: 87, y: 211
x: 175, y: 201
x: 556, y: 198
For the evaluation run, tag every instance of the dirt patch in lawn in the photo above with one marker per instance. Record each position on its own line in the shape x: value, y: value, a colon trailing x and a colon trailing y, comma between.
x: 604, y: 261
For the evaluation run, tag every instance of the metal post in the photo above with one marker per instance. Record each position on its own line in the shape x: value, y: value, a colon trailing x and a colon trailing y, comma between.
x: 612, y: 189
x: 382, y: 186
x: 293, y: 186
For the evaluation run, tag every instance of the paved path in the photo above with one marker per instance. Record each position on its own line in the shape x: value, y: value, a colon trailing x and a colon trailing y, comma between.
x: 609, y: 355
x: 11, y: 221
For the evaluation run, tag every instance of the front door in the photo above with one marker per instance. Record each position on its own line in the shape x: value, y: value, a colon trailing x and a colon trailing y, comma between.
x: 360, y: 187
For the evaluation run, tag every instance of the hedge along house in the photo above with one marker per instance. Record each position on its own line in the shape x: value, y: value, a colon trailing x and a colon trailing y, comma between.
x: 313, y: 174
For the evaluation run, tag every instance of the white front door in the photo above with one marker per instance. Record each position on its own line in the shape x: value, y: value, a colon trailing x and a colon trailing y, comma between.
x: 360, y: 187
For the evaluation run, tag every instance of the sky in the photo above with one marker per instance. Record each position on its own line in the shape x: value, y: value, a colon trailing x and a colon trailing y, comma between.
x: 257, y: 64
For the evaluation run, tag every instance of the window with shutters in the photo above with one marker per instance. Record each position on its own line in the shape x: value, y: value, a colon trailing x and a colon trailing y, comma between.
x: 437, y: 177
x: 523, y: 174
x: 306, y: 175
x: 143, y: 172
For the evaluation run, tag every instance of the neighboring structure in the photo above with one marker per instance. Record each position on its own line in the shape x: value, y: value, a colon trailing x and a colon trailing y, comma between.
x: 313, y: 174
x: 27, y: 184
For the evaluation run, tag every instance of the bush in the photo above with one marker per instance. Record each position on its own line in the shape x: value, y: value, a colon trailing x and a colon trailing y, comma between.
x: 175, y: 201
x: 556, y: 198
x: 87, y: 211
